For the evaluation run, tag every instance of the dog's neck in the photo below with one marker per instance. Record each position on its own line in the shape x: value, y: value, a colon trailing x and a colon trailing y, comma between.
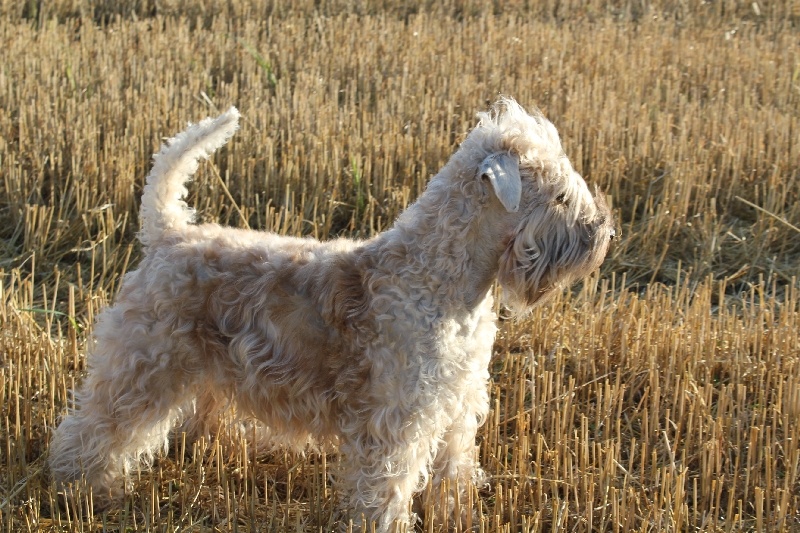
x: 453, y: 240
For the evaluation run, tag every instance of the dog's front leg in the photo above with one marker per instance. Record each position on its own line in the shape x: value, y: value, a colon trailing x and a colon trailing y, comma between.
x: 456, y: 465
x: 380, y: 476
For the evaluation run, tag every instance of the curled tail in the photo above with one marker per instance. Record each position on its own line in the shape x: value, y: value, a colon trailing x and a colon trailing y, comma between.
x: 163, y: 207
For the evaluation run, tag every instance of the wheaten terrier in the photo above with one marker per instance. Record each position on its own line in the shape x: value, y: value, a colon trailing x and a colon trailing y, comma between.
x: 380, y: 347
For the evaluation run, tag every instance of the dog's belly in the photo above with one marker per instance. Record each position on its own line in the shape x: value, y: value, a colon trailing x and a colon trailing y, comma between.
x: 284, y: 366
x: 293, y: 384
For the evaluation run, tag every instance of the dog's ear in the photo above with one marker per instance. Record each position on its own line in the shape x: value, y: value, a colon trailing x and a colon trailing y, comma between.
x: 502, y: 169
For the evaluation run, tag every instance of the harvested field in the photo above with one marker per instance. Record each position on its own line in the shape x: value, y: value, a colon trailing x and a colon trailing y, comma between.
x: 663, y: 394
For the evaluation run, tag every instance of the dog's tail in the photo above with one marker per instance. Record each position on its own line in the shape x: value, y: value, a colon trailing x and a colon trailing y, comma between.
x: 163, y: 207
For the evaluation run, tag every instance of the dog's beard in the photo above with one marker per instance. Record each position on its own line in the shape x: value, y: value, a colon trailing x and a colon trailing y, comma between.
x: 548, y: 252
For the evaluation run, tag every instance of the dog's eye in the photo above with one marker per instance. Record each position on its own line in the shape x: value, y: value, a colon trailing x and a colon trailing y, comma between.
x: 561, y: 200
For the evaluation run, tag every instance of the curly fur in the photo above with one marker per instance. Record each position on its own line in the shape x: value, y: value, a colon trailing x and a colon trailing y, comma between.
x: 379, y: 346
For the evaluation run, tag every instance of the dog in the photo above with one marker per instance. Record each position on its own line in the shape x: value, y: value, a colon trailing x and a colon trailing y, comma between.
x: 379, y: 347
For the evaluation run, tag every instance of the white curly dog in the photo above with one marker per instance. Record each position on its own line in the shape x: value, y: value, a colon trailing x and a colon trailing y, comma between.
x: 380, y: 347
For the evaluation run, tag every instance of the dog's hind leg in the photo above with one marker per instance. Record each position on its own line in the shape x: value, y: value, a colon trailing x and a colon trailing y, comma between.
x: 135, y: 392
x: 207, y: 415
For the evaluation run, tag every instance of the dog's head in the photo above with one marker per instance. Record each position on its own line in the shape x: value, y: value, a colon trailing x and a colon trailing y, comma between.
x: 556, y: 231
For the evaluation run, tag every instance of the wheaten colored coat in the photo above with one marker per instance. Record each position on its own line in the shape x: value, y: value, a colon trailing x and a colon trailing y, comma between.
x: 380, y: 347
